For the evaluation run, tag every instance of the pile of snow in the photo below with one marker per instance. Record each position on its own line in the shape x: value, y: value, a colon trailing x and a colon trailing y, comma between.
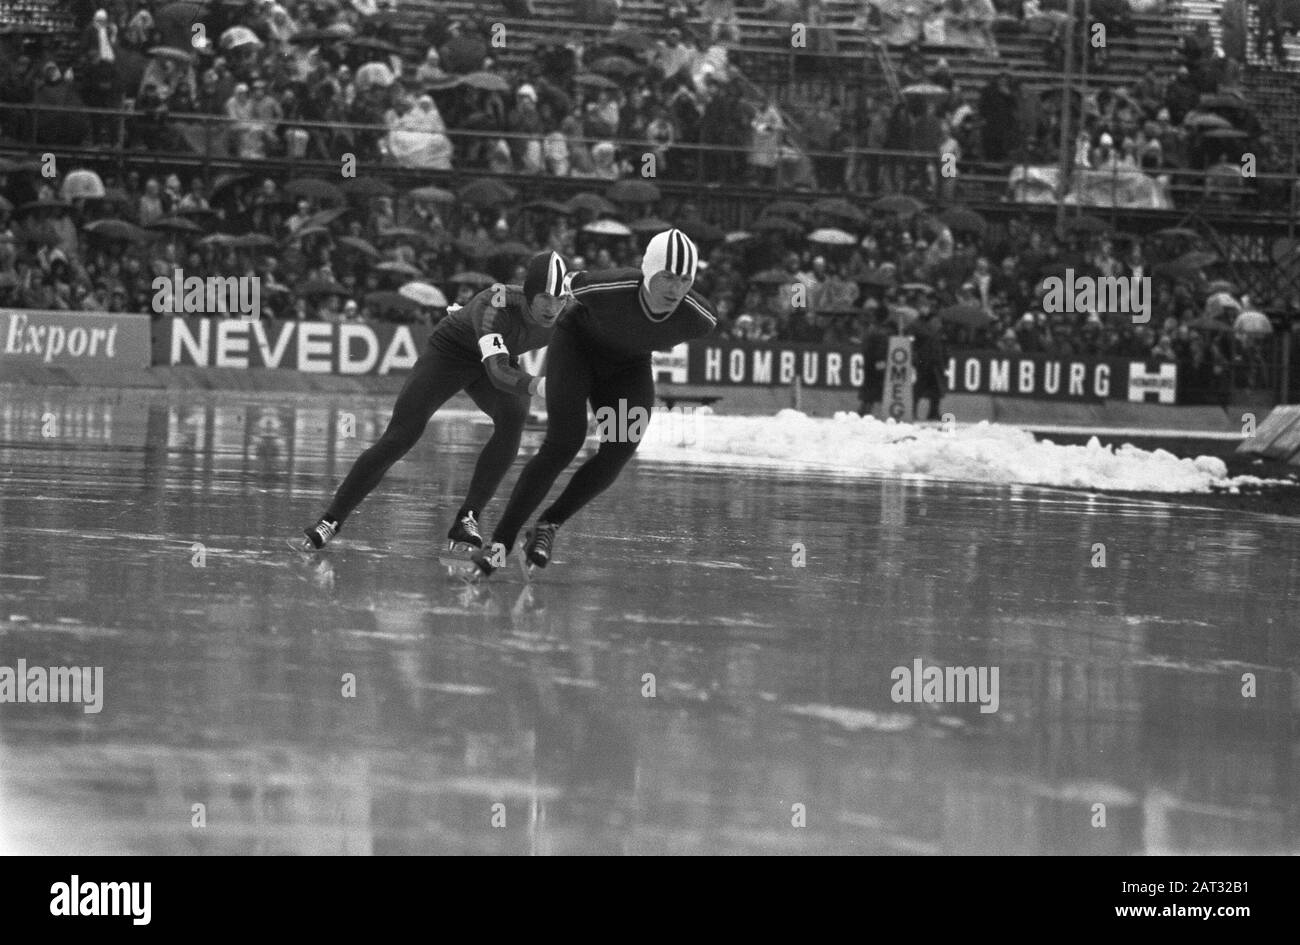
x: 981, y: 452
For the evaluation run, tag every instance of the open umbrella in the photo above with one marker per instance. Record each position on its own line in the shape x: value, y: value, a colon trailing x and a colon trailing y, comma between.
x: 82, y: 185
x: 401, y: 233
x: 916, y: 287
x: 738, y: 236
x: 1226, y: 134
x: 470, y: 277
x: 304, y: 232
x: 701, y: 232
x: 510, y: 248
x: 365, y: 188
x: 431, y: 194
x: 380, y: 302
x: 373, y: 44
x: 970, y: 314
x: 1220, y: 285
x: 424, y: 294
x: 313, y: 188
x: 1196, y: 259
x: 593, y: 203
x: 633, y: 191
x: 593, y: 81
x: 649, y: 225
x: 550, y: 206
x: 1205, y: 121
x: 925, y: 90
x: 839, y: 208
x: 486, y: 192
x: 252, y: 241
x: 111, y: 229
x: 1219, y: 302
x: 374, y: 74
x: 778, y: 224
x: 324, y: 217
x: 237, y: 37
x: 961, y: 220
x: 1222, y: 100
x: 485, y: 81
x: 175, y: 225
x: 357, y: 244
x: 607, y: 228
x: 615, y: 65
x: 217, y: 239
x: 899, y: 204
x: 1252, y: 322
x: 172, y: 53
x: 312, y: 35
x: 399, y: 267
x: 830, y: 236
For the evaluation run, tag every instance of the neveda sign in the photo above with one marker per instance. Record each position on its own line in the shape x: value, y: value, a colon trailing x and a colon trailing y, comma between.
x: 311, y: 347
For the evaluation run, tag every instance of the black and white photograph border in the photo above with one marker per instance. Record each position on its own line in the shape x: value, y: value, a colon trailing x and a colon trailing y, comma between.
x: 628, y: 427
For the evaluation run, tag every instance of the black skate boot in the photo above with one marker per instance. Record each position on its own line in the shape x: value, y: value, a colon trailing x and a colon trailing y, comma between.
x: 316, y: 537
x: 537, y: 546
x: 464, y: 536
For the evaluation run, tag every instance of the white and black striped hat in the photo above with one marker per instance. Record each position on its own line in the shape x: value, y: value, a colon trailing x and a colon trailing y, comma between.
x: 670, y: 251
x: 545, y: 273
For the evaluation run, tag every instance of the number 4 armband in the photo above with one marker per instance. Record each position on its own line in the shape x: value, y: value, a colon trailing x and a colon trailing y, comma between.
x: 492, y: 344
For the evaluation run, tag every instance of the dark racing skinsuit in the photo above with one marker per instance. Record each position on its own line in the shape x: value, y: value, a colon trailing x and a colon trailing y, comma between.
x: 475, y: 350
x: 600, y: 354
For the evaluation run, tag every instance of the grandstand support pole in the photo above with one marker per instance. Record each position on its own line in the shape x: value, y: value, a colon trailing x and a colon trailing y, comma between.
x: 1290, y: 194
x: 1067, y: 156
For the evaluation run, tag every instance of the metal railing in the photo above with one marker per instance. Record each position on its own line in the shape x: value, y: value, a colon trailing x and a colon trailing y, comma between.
x: 204, y: 141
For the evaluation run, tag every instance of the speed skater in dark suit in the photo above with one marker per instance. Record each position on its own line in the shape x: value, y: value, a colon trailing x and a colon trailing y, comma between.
x: 474, y: 349
x: 600, y: 354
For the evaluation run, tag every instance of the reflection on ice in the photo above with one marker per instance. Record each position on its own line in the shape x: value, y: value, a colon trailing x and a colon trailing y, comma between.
x: 515, y: 719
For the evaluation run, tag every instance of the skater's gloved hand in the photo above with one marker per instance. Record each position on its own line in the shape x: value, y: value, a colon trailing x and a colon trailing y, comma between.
x: 537, y: 387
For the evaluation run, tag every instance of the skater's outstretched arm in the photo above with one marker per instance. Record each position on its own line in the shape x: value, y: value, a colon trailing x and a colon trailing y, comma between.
x: 501, y: 372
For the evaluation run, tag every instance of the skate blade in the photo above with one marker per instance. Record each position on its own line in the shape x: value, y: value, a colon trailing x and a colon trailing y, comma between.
x: 301, y: 545
x: 460, y: 568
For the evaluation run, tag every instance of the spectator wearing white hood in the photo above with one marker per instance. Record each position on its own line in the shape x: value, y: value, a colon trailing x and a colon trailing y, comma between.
x: 101, y: 37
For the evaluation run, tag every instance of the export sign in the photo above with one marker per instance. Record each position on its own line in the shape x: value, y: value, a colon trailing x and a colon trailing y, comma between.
x: 351, y: 348
x: 68, y: 338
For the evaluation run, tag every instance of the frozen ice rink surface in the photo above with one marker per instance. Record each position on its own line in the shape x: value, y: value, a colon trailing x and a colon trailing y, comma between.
x: 1148, y: 706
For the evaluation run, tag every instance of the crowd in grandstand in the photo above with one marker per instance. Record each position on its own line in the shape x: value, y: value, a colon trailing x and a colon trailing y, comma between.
x: 316, y: 80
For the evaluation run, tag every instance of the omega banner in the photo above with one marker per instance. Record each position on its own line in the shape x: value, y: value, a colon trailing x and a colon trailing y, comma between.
x: 1040, y: 377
